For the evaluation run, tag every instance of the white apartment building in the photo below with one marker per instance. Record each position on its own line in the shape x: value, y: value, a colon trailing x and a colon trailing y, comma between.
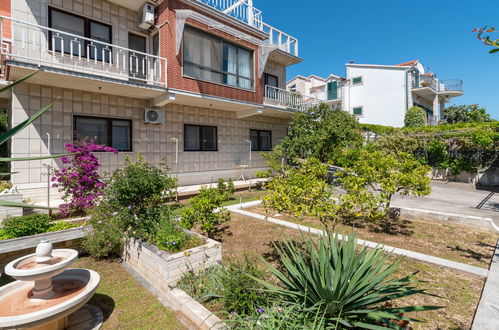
x: 381, y: 94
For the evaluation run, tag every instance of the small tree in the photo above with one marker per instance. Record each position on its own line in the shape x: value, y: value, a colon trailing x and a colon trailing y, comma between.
x: 415, y: 117
x: 304, y: 191
x: 386, y: 174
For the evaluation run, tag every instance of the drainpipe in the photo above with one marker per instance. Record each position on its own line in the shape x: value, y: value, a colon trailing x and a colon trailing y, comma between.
x: 49, y: 165
x: 407, y: 90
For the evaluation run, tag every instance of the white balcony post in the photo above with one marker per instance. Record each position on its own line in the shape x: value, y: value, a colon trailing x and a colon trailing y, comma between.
x: 250, y: 12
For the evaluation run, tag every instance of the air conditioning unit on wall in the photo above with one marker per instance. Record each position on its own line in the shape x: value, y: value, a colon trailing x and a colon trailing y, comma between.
x: 154, y: 116
x: 146, y: 16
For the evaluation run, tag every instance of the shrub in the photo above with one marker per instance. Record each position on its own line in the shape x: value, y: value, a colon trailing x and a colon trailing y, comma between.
x: 26, y: 225
x: 201, y: 210
x: 105, y: 239
x: 350, y: 288
x: 5, y: 185
x: 139, y: 184
x: 80, y: 182
x: 234, y: 285
x: 415, y: 117
x: 61, y: 225
x: 226, y: 189
x: 263, y: 174
x: 170, y: 238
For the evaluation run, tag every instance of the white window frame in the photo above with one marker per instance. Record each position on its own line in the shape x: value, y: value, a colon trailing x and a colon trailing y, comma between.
x: 358, y: 106
x: 361, y: 81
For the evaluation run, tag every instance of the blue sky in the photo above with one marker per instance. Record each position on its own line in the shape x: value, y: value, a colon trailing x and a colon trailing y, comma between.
x: 438, y: 33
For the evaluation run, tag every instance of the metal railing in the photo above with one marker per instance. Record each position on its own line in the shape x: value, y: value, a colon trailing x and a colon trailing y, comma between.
x: 451, y: 85
x: 42, y: 45
x: 324, y: 95
x: 425, y: 81
x: 243, y: 11
x: 287, y: 99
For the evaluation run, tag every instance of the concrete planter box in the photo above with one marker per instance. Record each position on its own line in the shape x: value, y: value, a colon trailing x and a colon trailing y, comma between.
x: 11, y: 249
x: 163, y: 269
x: 487, y: 178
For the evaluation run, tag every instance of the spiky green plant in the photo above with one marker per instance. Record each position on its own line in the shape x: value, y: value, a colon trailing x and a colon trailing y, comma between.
x: 13, y: 131
x: 354, y: 288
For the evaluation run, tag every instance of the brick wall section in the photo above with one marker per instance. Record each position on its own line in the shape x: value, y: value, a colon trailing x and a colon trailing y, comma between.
x: 175, y: 79
x: 5, y: 10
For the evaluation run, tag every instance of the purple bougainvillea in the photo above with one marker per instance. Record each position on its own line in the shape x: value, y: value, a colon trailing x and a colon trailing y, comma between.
x: 79, y: 181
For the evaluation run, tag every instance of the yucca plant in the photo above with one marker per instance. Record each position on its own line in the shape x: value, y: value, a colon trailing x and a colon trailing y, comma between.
x: 13, y: 131
x: 354, y: 288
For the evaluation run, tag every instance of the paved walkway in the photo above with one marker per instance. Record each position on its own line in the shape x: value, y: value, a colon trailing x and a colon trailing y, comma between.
x: 487, y: 314
x: 458, y: 198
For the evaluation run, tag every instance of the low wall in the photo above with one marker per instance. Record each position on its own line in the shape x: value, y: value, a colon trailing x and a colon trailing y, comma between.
x: 12, y: 249
x: 465, y: 220
x: 487, y: 178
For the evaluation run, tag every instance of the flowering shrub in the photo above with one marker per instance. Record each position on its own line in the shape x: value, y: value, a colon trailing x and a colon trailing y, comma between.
x: 80, y: 182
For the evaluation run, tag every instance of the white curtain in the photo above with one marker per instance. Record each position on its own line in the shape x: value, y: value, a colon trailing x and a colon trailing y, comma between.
x: 245, y: 66
x: 181, y: 16
x: 231, y: 63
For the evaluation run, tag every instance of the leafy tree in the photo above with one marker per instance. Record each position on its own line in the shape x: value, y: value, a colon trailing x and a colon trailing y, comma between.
x: 385, y: 174
x: 415, y: 117
x: 320, y: 133
x: 464, y: 114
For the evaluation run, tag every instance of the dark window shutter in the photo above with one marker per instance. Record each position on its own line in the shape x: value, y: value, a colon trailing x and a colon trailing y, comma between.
x: 332, y: 90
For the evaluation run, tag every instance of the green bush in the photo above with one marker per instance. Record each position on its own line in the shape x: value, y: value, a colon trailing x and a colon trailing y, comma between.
x: 234, y: 285
x: 226, y: 188
x: 61, y: 225
x: 263, y: 174
x: 415, y: 117
x: 200, y: 210
x: 351, y: 287
x: 26, y: 225
x: 139, y: 184
x: 105, y: 239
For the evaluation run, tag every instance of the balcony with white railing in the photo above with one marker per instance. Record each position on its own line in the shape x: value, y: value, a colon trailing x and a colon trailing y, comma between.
x: 37, y: 45
x: 243, y: 11
x: 281, y: 98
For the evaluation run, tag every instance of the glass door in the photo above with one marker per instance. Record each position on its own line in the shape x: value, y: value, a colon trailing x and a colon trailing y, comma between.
x: 137, y: 67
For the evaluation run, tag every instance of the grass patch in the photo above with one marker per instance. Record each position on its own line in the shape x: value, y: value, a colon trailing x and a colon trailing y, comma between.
x: 458, y: 292
x: 126, y: 304
x: 439, y: 239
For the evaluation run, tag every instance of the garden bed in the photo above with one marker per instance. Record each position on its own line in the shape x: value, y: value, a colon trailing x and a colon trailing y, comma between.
x: 163, y: 269
x: 458, y: 292
x: 439, y: 239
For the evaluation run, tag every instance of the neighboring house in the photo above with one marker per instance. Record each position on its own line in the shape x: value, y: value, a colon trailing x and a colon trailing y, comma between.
x: 381, y: 94
x: 188, y: 83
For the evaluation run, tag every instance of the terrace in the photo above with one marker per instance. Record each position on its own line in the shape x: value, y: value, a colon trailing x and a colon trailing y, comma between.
x: 281, y: 98
x: 243, y: 11
x: 118, y: 69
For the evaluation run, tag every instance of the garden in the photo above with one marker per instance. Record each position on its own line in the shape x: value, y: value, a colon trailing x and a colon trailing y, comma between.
x: 255, y: 274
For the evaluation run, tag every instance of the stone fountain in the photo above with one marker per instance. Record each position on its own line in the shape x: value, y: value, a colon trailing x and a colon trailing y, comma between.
x: 46, y: 295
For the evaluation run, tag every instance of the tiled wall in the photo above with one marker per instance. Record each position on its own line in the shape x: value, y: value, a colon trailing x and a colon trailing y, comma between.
x: 278, y: 70
x: 153, y: 141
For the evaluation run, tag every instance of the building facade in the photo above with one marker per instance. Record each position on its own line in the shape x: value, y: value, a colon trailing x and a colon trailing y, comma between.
x: 198, y: 85
x: 381, y: 94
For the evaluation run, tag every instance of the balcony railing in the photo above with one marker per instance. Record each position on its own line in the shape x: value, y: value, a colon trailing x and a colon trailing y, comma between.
x: 287, y: 99
x: 451, y: 85
x: 325, y: 96
x: 243, y: 11
x: 425, y: 81
x: 42, y: 45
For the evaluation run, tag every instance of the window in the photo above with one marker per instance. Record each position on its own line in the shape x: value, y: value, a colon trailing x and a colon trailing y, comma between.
x: 210, y: 58
x: 292, y: 88
x: 136, y: 68
x: 261, y: 140
x: 200, y: 138
x: 116, y: 133
x: 79, y: 26
x: 357, y: 81
x: 358, y: 111
x: 271, y: 81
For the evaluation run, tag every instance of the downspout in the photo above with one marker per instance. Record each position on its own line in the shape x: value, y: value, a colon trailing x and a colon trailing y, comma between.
x: 406, y: 90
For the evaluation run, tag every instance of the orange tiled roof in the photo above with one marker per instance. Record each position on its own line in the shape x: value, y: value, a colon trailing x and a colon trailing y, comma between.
x: 407, y: 63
